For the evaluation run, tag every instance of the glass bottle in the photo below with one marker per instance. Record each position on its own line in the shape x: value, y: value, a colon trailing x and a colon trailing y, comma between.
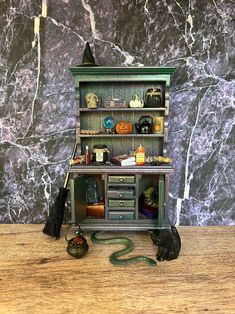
x: 140, y: 155
x: 87, y: 155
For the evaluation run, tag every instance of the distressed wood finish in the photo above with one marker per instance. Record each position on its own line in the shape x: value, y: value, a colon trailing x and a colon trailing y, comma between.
x: 167, y: 104
x: 38, y: 276
x: 123, y: 71
x: 80, y: 169
x: 121, y: 83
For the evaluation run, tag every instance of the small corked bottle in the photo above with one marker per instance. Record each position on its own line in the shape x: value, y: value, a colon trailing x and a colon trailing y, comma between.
x: 140, y: 155
x: 87, y: 156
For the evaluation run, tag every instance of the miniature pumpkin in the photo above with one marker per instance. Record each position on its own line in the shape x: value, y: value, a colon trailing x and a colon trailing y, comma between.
x: 136, y: 102
x: 124, y: 127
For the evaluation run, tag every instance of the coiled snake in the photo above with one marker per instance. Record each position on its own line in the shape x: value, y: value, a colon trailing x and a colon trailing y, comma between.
x: 129, y: 248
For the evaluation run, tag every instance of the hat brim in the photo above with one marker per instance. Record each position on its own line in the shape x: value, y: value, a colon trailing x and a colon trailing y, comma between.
x: 88, y: 64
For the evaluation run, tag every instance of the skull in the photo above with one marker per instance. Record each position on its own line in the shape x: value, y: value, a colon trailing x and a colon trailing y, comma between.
x: 91, y: 100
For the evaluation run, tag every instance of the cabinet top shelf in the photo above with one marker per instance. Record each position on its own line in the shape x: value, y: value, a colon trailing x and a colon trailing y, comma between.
x: 112, y: 109
x: 120, y: 70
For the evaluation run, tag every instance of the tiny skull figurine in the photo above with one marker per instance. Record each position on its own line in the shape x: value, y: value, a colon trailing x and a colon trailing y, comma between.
x: 91, y: 100
x: 136, y: 102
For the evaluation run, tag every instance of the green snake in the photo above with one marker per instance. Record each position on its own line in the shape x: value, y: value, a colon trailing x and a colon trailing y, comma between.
x: 129, y: 248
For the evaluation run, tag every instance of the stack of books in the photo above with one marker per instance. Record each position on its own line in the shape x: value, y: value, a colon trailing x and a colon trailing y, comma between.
x: 123, y: 160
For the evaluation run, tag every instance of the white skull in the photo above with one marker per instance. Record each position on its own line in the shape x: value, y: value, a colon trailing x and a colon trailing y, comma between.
x: 91, y: 100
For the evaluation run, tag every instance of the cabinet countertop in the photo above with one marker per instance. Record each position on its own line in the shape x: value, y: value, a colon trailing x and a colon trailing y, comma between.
x: 38, y: 276
x: 114, y: 169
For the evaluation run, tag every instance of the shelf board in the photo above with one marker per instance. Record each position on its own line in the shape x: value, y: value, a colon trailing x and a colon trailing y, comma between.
x: 80, y: 70
x: 89, y: 224
x: 120, y: 109
x: 120, y: 135
x: 114, y: 169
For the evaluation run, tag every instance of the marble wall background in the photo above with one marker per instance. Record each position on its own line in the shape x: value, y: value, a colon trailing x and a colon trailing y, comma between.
x: 41, y: 39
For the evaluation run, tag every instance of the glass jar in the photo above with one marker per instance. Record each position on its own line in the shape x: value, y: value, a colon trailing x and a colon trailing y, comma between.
x: 100, y: 153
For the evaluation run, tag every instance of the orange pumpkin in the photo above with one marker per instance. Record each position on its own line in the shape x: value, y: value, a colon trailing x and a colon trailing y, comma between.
x: 124, y: 127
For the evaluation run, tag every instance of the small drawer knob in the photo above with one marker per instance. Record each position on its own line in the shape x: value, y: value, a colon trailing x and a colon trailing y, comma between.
x: 121, y: 217
x: 121, y: 203
x: 120, y: 195
x: 121, y: 179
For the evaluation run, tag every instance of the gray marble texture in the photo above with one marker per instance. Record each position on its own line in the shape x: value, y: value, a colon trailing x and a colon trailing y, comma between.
x: 41, y: 39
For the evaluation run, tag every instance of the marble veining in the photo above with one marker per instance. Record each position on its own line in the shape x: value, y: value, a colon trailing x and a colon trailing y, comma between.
x: 41, y: 39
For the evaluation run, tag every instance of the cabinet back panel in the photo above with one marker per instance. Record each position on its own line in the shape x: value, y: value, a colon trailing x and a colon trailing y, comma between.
x: 122, y: 90
x: 121, y: 145
x: 94, y: 119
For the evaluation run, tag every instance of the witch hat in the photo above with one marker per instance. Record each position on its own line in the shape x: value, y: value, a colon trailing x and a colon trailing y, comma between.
x: 88, y: 59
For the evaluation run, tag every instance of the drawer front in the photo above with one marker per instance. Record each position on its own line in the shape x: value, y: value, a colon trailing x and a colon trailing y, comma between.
x: 121, y: 194
x: 121, y: 203
x: 121, y: 179
x: 121, y: 215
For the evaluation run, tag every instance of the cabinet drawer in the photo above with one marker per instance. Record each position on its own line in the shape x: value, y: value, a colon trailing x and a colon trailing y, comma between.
x: 121, y: 179
x: 121, y: 203
x: 121, y: 194
x: 121, y: 215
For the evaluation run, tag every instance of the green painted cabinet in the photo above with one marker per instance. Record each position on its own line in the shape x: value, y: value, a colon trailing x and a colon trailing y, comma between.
x: 121, y: 187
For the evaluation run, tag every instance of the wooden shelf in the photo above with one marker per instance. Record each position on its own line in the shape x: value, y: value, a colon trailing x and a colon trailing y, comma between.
x: 113, y: 73
x: 120, y: 83
x: 114, y: 169
x: 120, y: 135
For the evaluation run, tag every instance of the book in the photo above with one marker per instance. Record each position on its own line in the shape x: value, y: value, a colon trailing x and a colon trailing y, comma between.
x: 123, y: 160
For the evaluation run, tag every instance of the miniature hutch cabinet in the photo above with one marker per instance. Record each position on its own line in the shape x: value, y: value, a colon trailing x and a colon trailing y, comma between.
x: 118, y: 189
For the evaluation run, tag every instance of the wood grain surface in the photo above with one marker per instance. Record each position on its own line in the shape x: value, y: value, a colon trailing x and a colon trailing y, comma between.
x: 38, y: 276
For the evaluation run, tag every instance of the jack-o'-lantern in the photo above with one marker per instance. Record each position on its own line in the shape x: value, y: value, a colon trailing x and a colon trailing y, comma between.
x: 124, y: 127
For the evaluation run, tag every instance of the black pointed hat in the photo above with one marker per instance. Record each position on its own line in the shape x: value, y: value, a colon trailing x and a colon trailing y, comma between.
x: 88, y: 59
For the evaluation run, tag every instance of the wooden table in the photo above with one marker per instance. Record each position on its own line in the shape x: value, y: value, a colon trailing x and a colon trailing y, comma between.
x: 38, y: 276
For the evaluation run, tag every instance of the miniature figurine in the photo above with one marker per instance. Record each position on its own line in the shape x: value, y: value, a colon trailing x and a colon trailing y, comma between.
x: 109, y: 123
x: 77, y: 160
x: 129, y: 247
x: 87, y: 59
x: 158, y: 125
x: 92, y: 191
x: 124, y: 127
x: 91, y: 100
x: 153, y: 98
x: 168, y: 242
x: 136, y: 102
x: 77, y: 246
x: 148, y: 202
x: 161, y: 159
